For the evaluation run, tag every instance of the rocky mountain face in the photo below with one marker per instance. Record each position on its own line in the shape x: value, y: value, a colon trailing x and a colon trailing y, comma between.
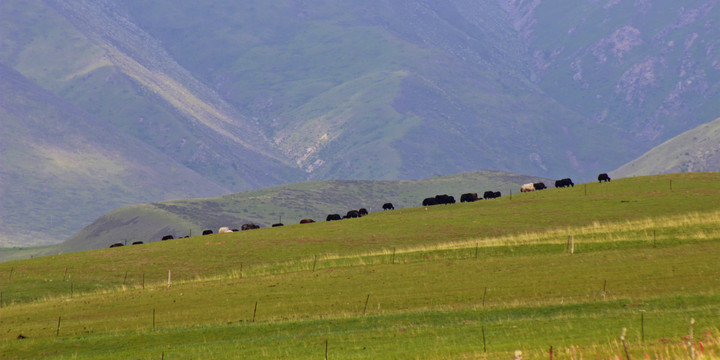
x: 648, y: 67
x: 230, y: 96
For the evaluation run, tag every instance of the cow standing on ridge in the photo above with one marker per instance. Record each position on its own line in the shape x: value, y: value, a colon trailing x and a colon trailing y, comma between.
x: 527, y: 187
x: 566, y: 182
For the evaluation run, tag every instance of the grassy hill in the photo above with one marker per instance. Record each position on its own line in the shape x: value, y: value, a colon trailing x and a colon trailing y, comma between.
x: 567, y: 268
x: 693, y: 150
x: 287, y: 204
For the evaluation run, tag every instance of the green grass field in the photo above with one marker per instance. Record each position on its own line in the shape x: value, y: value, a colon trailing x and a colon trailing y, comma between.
x: 567, y: 268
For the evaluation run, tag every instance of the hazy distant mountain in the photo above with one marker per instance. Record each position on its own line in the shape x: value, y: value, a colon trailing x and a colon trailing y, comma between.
x: 249, y: 94
x: 60, y: 167
x: 694, y: 150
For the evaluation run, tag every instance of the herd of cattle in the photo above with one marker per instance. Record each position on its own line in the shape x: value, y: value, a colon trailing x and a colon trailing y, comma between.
x: 436, y: 200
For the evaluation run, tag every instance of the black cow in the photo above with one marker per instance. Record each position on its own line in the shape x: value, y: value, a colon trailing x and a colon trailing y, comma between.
x: 352, y: 214
x: 207, y: 232
x: 137, y: 243
x: 277, y: 224
x: 566, y: 182
x: 603, y: 177
x: 388, y: 206
x: 429, y: 201
x: 167, y: 237
x: 332, y: 217
x: 445, y: 199
x: 468, y: 197
x: 117, y: 244
x: 307, y: 221
x: 362, y: 212
x: 491, y: 195
x: 539, y: 186
x: 249, y: 226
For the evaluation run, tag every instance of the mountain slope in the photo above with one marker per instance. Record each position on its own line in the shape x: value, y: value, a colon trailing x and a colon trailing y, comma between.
x: 692, y: 151
x: 385, y: 89
x: 113, y: 70
x: 61, y: 169
x: 255, y: 94
x: 649, y: 68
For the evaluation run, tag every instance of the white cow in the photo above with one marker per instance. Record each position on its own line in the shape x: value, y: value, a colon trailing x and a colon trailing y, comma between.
x: 224, y: 229
x: 527, y: 187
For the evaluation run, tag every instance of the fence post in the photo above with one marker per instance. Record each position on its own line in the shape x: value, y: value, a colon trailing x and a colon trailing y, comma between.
x: 483, y: 335
x: 642, y: 326
x: 691, y: 340
x: 622, y: 337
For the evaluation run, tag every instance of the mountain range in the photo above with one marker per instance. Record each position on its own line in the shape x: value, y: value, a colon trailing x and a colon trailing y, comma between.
x: 106, y: 103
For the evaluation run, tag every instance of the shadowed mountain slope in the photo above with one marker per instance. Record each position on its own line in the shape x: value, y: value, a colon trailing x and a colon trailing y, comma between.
x: 66, y: 168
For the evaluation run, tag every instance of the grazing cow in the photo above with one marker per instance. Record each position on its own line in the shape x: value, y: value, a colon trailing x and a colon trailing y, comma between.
x: 277, y: 224
x: 527, y: 187
x: 117, y: 244
x: 603, y: 177
x: 352, y: 214
x: 307, y: 221
x: 429, y: 201
x: 497, y: 194
x: 249, y: 226
x: 21, y: 336
x: 388, y: 206
x: 137, y: 243
x: 167, y: 237
x: 539, y: 186
x: 224, y: 230
x: 362, y: 212
x: 468, y: 197
x: 333, y: 217
x: 566, y: 182
x: 207, y: 232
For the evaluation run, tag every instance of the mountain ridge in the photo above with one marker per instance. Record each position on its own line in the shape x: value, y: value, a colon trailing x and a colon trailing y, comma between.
x: 256, y: 94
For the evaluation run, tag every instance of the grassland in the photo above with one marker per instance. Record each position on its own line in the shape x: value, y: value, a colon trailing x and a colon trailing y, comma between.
x: 567, y: 268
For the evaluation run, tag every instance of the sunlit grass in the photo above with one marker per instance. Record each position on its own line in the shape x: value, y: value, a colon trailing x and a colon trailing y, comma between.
x: 396, y: 294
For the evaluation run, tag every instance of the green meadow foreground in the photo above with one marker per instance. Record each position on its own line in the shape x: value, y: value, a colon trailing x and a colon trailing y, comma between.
x: 561, y: 268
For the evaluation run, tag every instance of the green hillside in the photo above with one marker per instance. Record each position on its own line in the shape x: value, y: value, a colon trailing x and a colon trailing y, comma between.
x: 563, y: 268
x: 287, y: 204
x: 692, y: 151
